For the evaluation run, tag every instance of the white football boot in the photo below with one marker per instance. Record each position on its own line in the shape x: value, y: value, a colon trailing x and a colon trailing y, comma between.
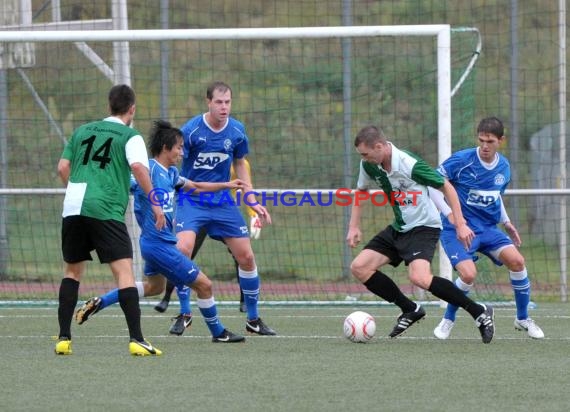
x: 531, y: 328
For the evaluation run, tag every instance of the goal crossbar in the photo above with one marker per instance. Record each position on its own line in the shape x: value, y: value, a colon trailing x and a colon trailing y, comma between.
x: 222, y: 34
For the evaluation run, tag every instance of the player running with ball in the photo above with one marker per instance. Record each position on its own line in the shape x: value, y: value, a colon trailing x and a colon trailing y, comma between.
x: 413, y: 235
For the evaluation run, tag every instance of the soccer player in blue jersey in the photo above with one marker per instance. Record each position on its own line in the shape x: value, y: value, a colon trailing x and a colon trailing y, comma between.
x: 213, y: 141
x: 158, y: 247
x: 184, y: 318
x: 412, y: 236
x: 480, y: 176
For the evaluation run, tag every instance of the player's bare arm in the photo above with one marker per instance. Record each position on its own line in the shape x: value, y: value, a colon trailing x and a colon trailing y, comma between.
x: 64, y: 170
x: 354, y: 235
x: 214, y: 187
x: 513, y: 233
x: 509, y: 227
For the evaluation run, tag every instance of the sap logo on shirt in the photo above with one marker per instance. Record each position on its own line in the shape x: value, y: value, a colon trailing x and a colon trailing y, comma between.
x: 482, y: 197
x: 209, y: 160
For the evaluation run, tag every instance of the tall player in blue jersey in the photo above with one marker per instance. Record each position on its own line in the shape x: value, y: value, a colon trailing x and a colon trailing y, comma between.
x: 480, y: 176
x: 158, y: 247
x: 213, y: 141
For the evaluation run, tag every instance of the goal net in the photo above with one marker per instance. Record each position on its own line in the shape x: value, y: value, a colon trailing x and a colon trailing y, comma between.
x: 301, y: 93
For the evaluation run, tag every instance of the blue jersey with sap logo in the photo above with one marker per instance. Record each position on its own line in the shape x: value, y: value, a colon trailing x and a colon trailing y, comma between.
x: 164, y: 181
x: 208, y: 154
x: 479, y: 186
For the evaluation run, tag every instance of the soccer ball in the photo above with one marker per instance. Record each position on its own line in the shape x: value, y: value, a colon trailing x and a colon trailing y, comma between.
x: 359, y: 327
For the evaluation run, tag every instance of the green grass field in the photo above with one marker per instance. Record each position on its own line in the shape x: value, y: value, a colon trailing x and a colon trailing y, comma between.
x: 308, y: 367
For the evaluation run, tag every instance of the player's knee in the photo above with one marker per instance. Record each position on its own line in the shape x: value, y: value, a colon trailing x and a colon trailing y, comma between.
x: 468, y: 276
x: 246, y: 259
x: 185, y: 247
x: 202, y: 286
x: 360, y: 270
x: 421, y: 279
x: 517, y: 264
x: 185, y: 242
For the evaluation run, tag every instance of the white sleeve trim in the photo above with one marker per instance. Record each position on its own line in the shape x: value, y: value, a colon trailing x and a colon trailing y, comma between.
x: 136, y: 151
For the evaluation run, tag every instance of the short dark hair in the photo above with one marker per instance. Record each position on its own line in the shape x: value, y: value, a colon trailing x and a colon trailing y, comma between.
x: 491, y: 125
x: 369, y: 135
x: 221, y: 86
x: 121, y: 98
x: 163, y: 134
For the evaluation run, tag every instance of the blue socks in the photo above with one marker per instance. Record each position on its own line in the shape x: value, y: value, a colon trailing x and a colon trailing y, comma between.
x: 521, y: 290
x: 451, y: 310
x: 112, y: 297
x: 249, y: 283
x: 184, y: 298
x: 109, y: 298
x: 210, y: 314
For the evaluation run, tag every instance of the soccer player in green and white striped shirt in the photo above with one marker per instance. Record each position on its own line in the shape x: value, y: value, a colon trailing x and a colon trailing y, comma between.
x: 412, y: 236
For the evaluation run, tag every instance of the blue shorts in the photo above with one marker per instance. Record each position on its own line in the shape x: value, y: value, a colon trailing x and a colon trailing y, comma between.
x: 485, y: 242
x: 164, y: 258
x: 220, y: 221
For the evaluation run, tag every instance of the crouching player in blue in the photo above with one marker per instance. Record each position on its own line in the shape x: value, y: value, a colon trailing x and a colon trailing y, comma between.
x: 158, y: 247
x: 480, y: 176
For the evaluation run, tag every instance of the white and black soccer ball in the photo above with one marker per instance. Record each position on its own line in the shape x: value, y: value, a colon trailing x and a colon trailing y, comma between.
x: 359, y: 327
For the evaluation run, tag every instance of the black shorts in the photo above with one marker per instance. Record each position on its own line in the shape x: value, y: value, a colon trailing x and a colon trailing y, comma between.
x: 418, y: 243
x: 80, y: 235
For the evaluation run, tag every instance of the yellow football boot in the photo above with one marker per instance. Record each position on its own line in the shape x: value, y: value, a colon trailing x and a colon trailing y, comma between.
x: 63, y: 347
x: 143, y: 348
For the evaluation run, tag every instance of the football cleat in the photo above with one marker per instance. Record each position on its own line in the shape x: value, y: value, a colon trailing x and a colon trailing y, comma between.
x: 181, y: 322
x: 63, y: 346
x: 162, y: 306
x: 443, y: 330
x: 144, y: 348
x: 90, y: 307
x: 257, y: 326
x: 228, y: 337
x: 405, y: 320
x: 531, y: 328
x: 486, y: 324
